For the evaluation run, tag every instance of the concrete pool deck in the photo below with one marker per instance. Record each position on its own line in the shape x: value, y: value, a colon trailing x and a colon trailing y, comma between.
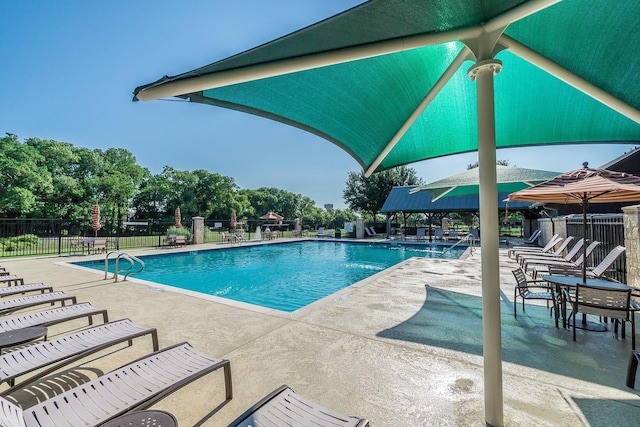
x: 402, y: 348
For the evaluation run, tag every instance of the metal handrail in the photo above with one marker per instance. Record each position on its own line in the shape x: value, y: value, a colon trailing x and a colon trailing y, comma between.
x: 132, y: 260
x: 106, y: 263
x: 122, y: 255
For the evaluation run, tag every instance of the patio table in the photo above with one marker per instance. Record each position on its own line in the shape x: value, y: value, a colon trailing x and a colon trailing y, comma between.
x: 569, y: 282
x: 21, y: 336
x: 148, y: 418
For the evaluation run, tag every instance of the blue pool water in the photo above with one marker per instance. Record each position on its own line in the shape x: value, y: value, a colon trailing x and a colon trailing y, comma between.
x: 283, y: 276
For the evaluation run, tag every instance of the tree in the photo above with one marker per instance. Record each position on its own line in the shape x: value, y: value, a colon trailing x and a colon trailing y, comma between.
x: 367, y: 195
x: 24, y: 183
x: 498, y: 162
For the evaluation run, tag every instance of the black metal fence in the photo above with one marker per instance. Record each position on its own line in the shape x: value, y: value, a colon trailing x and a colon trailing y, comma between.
x: 608, y: 229
x: 42, y: 236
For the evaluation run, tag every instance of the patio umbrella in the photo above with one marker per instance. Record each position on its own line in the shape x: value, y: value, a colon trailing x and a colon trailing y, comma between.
x: 95, y: 218
x: 509, y: 179
x: 233, y: 222
x: 386, y: 82
x: 584, y: 186
x: 178, y: 216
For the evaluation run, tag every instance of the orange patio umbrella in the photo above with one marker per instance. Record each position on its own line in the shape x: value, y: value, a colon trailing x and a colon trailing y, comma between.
x: 233, y: 223
x: 178, y: 216
x: 95, y: 218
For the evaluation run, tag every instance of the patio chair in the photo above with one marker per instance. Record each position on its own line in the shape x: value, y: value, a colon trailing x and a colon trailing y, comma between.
x: 170, y: 240
x: 604, y: 302
x: 284, y: 406
x: 530, y: 290
x: 322, y: 232
x: 54, y: 316
x: 33, y: 300
x: 23, y: 289
x: 132, y: 387
x: 99, y: 245
x: 181, y: 240
x: 67, y: 349
x: 543, y: 265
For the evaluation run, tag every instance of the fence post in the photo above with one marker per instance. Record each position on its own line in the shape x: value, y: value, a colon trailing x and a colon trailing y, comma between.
x: 632, y: 243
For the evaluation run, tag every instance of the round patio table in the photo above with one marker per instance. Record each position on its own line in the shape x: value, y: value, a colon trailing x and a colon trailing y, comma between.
x: 570, y: 282
x: 150, y: 418
x: 21, y: 336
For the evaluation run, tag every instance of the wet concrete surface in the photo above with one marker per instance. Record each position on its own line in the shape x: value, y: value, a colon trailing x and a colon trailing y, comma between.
x: 402, y: 348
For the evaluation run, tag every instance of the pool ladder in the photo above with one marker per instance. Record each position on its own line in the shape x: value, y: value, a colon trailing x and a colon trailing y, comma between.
x: 124, y: 256
x: 468, y: 238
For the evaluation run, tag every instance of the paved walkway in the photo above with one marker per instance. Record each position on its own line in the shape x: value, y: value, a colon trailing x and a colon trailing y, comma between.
x: 403, y: 348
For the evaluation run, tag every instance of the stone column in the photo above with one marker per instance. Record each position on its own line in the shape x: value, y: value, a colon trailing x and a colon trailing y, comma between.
x: 632, y: 243
x: 198, y: 230
x: 359, y: 228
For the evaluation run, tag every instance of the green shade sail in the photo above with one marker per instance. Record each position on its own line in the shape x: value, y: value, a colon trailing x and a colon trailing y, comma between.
x: 361, y: 104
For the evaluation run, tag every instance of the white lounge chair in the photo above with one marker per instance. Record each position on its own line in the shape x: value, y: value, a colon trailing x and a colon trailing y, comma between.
x: 54, y: 316
x: 285, y: 407
x: 135, y: 386
x: 32, y: 300
x: 67, y: 349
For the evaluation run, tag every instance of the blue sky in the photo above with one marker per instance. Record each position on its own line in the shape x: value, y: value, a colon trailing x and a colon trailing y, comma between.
x: 69, y: 68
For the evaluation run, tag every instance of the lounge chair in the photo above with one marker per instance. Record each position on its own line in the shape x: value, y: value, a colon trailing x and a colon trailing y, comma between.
x: 11, y: 280
x: 374, y: 233
x: 597, y: 272
x: 533, y: 239
x: 285, y: 407
x: 32, y: 300
x: 473, y: 235
x: 135, y: 386
x: 322, y: 232
x: 576, y: 249
x: 54, y: 316
x: 514, y: 250
x: 65, y: 350
x: 438, y: 234
x: 524, y: 258
x: 453, y: 235
x: 421, y: 234
x: 22, y: 289
x: 542, y: 265
x: 557, y: 250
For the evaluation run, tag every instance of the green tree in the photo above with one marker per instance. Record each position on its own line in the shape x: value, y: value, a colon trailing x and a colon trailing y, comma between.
x: 117, y: 182
x: 498, y: 162
x: 367, y: 195
x: 24, y: 183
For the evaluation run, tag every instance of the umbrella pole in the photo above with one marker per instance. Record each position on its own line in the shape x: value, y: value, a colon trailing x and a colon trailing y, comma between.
x: 483, y: 73
x: 585, y: 206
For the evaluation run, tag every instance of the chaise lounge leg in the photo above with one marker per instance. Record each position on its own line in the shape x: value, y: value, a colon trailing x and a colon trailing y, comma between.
x: 632, y: 368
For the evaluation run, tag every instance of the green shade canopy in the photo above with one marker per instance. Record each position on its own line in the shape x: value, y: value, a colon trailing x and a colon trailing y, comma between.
x: 509, y: 179
x: 398, y: 81
x: 358, y: 88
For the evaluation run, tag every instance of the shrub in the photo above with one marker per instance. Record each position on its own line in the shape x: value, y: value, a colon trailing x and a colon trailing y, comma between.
x: 179, y: 231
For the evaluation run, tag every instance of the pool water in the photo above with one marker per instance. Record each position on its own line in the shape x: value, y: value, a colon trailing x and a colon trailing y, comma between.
x: 282, y: 276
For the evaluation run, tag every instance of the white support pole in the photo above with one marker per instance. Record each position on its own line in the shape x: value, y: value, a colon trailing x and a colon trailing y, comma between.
x: 483, y: 73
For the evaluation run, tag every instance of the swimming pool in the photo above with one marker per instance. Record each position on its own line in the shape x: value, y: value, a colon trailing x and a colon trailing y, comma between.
x: 281, y: 276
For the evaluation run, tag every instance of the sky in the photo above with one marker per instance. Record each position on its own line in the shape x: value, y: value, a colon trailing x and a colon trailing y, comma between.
x: 68, y: 69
